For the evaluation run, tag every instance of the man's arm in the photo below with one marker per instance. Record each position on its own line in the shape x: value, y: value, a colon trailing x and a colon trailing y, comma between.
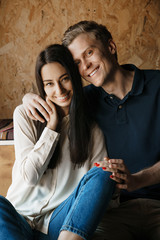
x: 131, y: 182
x: 34, y: 105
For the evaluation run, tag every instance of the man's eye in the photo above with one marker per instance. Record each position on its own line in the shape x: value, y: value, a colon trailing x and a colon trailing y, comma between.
x: 89, y: 53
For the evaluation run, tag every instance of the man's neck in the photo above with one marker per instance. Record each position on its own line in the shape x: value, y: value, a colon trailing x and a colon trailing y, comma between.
x: 120, y: 84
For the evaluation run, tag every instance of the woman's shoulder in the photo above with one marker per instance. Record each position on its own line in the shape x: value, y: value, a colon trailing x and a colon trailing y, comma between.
x: 20, y: 115
x: 19, y: 110
x: 97, y: 132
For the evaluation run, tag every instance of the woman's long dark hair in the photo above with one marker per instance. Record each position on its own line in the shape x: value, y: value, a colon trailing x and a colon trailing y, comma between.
x: 80, y: 124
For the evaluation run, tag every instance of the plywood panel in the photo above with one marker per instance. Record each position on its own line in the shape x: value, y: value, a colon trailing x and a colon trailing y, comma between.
x: 6, y: 163
x: 28, y: 26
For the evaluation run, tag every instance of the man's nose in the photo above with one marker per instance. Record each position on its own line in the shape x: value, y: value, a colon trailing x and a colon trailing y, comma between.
x: 86, y: 64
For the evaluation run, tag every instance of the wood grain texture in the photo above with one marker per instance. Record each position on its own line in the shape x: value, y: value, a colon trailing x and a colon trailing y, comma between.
x: 27, y: 26
x: 6, y: 162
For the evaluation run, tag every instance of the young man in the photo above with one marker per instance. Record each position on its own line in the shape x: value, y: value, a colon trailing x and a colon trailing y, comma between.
x: 125, y: 102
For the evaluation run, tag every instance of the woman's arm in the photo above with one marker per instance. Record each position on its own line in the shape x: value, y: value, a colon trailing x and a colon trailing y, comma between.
x: 98, y: 145
x: 32, y: 156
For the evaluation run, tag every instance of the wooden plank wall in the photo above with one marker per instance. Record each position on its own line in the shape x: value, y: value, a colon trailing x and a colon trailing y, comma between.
x: 27, y: 26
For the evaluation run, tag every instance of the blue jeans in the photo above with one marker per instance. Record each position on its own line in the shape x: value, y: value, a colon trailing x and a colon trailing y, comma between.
x: 80, y: 213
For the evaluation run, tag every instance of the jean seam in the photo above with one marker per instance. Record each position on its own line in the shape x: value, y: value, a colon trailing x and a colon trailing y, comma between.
x: 85, y: 180
x: 75, y: 205
x: 74, y: 230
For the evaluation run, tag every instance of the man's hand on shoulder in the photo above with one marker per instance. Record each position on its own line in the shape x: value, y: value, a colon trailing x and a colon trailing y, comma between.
x: 36, y: 106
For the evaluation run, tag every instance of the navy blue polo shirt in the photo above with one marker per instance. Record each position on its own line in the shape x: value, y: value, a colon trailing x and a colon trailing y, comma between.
x: 131, y: 126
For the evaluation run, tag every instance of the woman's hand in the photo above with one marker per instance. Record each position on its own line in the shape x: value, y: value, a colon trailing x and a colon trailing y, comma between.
x: 53, y: 117
x: 33, y: 102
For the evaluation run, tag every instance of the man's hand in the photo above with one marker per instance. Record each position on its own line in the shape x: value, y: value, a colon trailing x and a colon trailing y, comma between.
x: 33, y: 102
x: 121, y: 174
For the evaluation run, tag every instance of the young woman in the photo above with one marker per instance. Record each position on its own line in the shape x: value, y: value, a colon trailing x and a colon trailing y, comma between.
x: 56, y: 193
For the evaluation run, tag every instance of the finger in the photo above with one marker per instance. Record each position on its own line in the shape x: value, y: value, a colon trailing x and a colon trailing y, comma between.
x: 118, y: 161
x: 51, y: 104
x: 104, y: 166
x: 38, y: 110
x: 115, y: 179
x: 30, y: 115
x: 121, y: 176
x: 43, y: 103
x: 121, y: 186
x: 106, y: 159
x: 36, y: 115
x: 120, y: 167
x: 43, y: 108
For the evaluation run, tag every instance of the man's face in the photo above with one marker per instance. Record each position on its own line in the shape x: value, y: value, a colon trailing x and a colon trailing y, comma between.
x: 94, y: 62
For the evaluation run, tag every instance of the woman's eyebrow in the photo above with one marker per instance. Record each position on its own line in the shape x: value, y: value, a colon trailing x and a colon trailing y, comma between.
x: 49, y: 80
x: 63, y: 75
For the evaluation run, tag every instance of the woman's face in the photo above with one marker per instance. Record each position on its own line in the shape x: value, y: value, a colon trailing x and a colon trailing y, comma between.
x: 57, y: 85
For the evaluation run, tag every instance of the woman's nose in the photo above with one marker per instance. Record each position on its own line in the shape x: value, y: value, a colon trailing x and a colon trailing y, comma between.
x: 59, y: 89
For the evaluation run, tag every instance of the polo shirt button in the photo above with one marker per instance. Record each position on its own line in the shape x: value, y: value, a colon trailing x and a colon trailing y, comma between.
x: 111, y: 97
x: 120, y: 106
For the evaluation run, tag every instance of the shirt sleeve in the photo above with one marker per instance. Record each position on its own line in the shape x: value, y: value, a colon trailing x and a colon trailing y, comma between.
x: 98, y: 146
x: 32, y: 156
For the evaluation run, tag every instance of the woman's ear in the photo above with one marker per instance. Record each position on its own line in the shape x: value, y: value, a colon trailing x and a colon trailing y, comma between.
x: 112, y: 46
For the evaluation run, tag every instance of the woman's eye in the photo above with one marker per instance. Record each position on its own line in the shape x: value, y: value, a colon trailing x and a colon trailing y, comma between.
x: 48, y: 84
x: 77, y: 62
x: 65, y: 79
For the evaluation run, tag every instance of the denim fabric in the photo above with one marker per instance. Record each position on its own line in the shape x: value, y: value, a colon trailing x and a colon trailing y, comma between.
x: 80, y: 213
x: 12, y: 225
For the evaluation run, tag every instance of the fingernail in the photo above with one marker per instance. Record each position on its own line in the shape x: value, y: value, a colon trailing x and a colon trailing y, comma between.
x: 104, y: 168
x: 96, y: 164
x: 111, y: 176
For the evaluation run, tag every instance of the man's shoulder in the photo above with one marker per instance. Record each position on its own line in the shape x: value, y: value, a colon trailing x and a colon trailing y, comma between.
x: 152, y: 72
x: 93, y: 97
x: 152, y: 77
x: 91, y: 90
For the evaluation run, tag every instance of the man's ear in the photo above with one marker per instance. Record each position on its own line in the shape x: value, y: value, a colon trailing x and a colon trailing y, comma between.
x: 112, y: 46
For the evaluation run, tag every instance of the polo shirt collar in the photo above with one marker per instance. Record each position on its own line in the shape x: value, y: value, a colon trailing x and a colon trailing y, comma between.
x: 138, y: 82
